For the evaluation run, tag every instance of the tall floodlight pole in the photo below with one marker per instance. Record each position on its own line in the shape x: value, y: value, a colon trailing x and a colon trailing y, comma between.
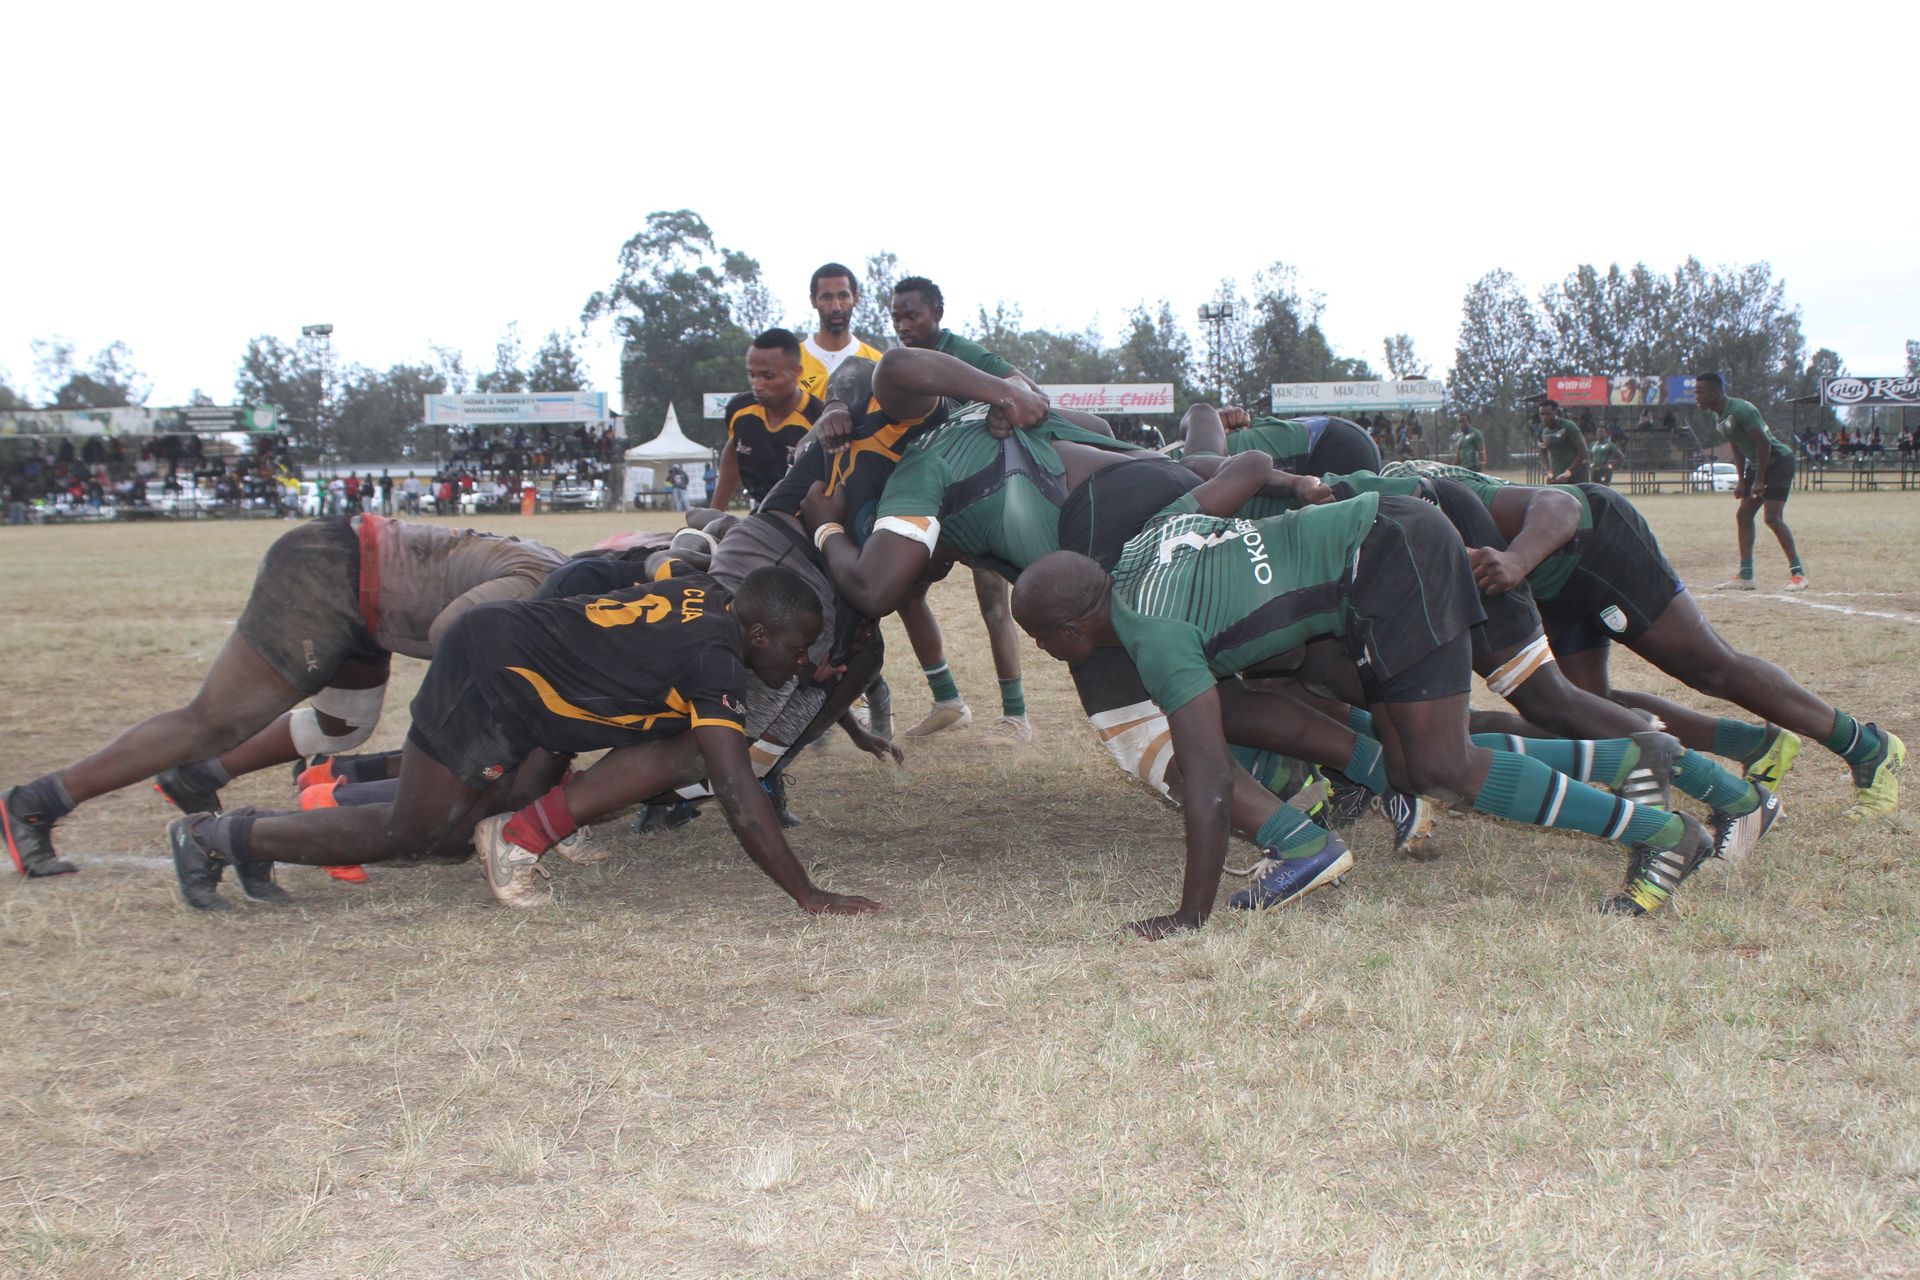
x: 1215, y: 316
x: 321, y: 336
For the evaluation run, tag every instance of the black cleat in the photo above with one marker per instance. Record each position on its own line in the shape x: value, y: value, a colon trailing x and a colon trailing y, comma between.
x: 1347, y: 801
x: 656, y: 818
x: 1655, y: 871
x: 1734, y: 838
x: 29, y: 841
x: 197, y: 870
x: 183, y: 795
x: 776, y: 789
x: 256, y: 882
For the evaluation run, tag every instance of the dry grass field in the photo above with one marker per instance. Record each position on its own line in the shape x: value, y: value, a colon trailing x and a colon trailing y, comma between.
x: 1452, y: 1068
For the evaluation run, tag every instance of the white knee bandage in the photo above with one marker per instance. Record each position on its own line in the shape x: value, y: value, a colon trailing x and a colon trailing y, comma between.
x: 1521, y: 667
x: 358, y: 709
x: 1140, y: 741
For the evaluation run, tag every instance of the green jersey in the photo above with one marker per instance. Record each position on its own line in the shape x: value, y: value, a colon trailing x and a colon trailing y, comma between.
x: 969, y: 352
x: 1548, y: 577
x: 1607, y: 455
x: 1562, y: 442
x: 1742, y: 427
x: 1198, y: 598
x: 997, y: 502
x: 1471, y: 452
x: 1286, y: 440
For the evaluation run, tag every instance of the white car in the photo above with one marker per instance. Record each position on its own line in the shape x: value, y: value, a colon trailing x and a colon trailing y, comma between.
x: 1720, y: 477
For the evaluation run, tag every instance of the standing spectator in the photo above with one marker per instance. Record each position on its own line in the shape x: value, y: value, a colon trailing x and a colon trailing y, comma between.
x: 1563, y: 449
x: 1608, y: 453
x: 386, y: 493
x: 336, y: 496
x: 710, y: 477
x: 677, y: 481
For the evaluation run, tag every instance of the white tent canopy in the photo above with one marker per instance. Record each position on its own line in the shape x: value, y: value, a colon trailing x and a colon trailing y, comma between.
x: 671, y: 445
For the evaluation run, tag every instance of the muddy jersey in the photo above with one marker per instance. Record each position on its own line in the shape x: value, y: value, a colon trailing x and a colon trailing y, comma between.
x: 996, y: 502
x: 592, y: 672
x: 410, y: 573
x: 1199, y: 598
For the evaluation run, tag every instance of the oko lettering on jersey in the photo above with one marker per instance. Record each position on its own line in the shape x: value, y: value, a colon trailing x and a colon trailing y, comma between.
x: 1244, y: 530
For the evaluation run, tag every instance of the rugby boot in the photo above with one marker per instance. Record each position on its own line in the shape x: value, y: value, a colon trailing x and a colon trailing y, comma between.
x: 514, y: 874
x: 256, y: 883
x: 1347, y: 801
x: 776, y: 788
x: 311, y: 771
x: 29, y: 840
x: 656, y: 818
x: 1735, y: 583
x: 1735, y: 836
x: 1796, y: 582
x: 348, y: 875
x: 1278, y: 881
x: 185, y: 794
x: 1876, y: 780
x: 1783, y: 745
x: 581, y: 849
x: 1655, y: 870
x: 1010, y: 729
x: 951, y: 714
x: 1650, y: 782
x: 1412, y: 818
x: 195, y: 867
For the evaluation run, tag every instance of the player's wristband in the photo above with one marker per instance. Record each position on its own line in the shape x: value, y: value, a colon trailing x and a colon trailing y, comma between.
x: 824, y: 532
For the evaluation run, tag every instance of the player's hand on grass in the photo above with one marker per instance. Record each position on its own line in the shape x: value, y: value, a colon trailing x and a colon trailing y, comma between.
x: 1233, y: 417
x: 877, y: 747
x: 1495, y: 571
x: 1160, y: 926
x: 1020, y: 407
x: 822, y: 903
x: 820, y: 507
x: 835, y: 427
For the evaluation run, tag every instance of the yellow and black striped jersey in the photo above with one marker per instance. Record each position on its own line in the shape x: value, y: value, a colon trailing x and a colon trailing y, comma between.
x: 763, y: 451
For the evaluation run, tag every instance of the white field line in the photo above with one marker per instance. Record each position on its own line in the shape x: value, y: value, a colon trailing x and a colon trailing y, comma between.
x: 1849, y: 610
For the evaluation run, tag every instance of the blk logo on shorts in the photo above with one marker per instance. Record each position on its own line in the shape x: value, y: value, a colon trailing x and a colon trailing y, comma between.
x: 306, y: 651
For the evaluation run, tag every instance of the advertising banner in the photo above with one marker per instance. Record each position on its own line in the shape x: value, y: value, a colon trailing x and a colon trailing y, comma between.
x: 1114, y: 397
x: 1576, y: 392
x: 1348, y: 398
x: 496, y: 410
x: 1635, y: 390
x: 1845, y: 392
x: 714, y: 403
x: 138, y: 420
x: 1682, y: 390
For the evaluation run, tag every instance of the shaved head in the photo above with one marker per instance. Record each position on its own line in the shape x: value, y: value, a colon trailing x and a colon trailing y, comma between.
x: 1059, y: 588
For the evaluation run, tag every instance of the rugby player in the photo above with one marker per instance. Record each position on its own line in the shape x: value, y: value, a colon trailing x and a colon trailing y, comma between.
x: 1598, y: 575
x: 1470, y: 450
x: 1563, y: 449
x: 766, y: 424
x: 333, y: 601
x: 1197, y: 599
x: 833, y: 293
x: 1766, y: 478
x: 633, y: 669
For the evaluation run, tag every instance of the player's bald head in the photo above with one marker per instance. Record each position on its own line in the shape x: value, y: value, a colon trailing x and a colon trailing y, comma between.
x: 1058, y: 589
x: 777, y: 599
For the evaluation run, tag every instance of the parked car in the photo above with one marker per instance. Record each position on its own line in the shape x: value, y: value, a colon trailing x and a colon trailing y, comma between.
x: 1720, y: 477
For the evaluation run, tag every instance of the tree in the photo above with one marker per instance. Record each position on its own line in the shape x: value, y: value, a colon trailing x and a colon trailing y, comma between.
x: 1401, y: 361
x: 1043, y: 355
x: 506, y: 377
x: 1499, y: 359
x: 378, y: 417
x: 1156, y: 349
x: 873, y: 314
x: 1913, y: 358
x: 671, y: 308
x: 109, y: 382
x: 1276, y: 337
x: 557, y: 366
x: 289, y: 375
x: 9, y: 398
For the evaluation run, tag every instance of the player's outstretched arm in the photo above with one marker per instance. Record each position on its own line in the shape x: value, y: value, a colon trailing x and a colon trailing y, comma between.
x: 1206, y: 793
x: 750, y: 814
x: 910, y: 381
x: 1234, y: 484
x: 875, y: 578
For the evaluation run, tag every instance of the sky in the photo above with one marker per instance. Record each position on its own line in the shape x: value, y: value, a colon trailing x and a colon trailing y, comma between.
x: 183, y: 178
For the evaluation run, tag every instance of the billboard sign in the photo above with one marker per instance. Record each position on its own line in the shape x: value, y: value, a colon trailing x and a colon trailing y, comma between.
x: 714, y: 404
x: 138, y: 420
x: 1636, y: 391
x: 1577, y: 391
x: 1682, y: 390
x: 1358, y: 397
x: 1113, y: 397
x: 496, y: 410
x: 1846, y: 392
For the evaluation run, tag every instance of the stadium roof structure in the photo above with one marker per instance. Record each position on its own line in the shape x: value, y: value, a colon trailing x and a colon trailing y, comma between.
x: 671, y: 445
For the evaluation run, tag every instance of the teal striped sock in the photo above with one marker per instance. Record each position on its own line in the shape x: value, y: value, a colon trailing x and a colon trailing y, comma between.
x: 1013, y: 698
x: 1738, y: 740
x: 1850, y: 740
x: 1291, y: 834
x: 1704, y: 780
x: 1360, y: 720
x: 1521, y: 789
x: 1368, y: 765
x: 1605, y: 761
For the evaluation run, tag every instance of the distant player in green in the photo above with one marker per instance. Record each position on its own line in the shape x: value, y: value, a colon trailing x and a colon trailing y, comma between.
x: 1470, y: 450
x: 1608, y: 453
x: 1198, y: 599
x: 1563, y: 450
x: 918, y: 306
x: 1766, y: 478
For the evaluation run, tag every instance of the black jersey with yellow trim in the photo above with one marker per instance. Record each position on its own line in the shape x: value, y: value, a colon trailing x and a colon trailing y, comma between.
x: 861, y: 469
x: 591, y: 672
x: 765, y: 451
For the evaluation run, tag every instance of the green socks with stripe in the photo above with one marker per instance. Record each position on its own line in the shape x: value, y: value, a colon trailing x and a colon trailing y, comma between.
x: 1522, y: 789
x: 1738, y: 740
x: 1704, y: 780
x: 1013, y: 698
x: 1603, y: 761
x: 1368, y: 765
x: 1852, y: 741
x: 1289, y: 834
x: 940, y: 680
